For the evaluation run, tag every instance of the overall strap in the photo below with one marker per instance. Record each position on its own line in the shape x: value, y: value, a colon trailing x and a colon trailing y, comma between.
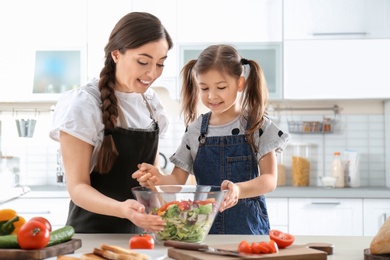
x: 204, y: 127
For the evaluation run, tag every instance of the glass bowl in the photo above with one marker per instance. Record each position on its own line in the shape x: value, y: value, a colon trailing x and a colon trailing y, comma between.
x: 189, y: 210
x: 328, y: 181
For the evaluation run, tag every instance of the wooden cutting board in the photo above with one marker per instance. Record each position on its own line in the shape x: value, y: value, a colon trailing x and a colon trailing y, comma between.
x: 293, y: 252
x: 369, y: 256
x: 60, y: 249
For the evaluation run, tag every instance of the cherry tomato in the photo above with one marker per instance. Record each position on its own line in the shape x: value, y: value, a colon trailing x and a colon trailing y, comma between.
x: 33, y: 235
x: 264, y: 247
x: 282, y: 239
x: 44, y: 221
x: 273, y: 247
x: 141, y: 241
x: 244, y: 247
x: 255, y: 246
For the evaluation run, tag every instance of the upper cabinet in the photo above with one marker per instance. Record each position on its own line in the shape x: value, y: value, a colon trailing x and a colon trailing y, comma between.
x: 336, y: 19
x: 41, y: 25
x: 229, y: 21
x: 336, y: 69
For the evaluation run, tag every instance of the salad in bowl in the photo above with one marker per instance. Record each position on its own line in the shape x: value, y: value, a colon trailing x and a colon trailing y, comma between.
x: 189, y: 210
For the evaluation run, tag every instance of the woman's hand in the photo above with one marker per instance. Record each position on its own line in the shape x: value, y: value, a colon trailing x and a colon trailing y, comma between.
x: 147, y: 175
x: 231, y: 197
x: 135, y: 212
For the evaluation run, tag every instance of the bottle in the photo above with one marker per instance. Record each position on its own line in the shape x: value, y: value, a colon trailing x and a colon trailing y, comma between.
x: 338, y: 170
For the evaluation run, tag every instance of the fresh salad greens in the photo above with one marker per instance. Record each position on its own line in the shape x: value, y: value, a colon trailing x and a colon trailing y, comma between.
x: 187, y: 220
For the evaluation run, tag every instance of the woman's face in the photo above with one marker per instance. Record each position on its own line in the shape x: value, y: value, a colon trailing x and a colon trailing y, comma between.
x: 137, y: 69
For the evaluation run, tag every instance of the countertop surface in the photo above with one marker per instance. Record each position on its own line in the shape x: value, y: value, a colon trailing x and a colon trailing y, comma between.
x: 345, y: 248
x: 320, y: 192
x: 279, y: 192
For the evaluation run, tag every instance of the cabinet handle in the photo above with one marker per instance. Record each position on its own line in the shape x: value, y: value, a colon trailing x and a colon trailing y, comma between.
x: 326, y: 203
x: 338, y: 33
x: 384, y: 217
x: 35, y: 212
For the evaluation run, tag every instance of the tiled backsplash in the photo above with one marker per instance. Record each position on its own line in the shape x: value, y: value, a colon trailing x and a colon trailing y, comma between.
x: 364, y: 133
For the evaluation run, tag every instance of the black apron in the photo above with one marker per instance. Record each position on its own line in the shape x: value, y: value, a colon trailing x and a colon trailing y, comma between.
x: 134, y: 146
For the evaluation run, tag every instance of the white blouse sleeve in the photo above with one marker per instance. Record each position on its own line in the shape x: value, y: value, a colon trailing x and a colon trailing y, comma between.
x: 78, y: 113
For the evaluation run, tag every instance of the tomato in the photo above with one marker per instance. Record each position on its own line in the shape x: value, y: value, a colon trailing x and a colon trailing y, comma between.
x: 141, y: 241
x: 255, y: 246
x: 207, y: 201
x: 44, y: 221
x: 244, y: 247
x: 273, y: 247
x: 165, y: 207
x: 264, y: 247
x: 282, y: 239
x: 33, y: 235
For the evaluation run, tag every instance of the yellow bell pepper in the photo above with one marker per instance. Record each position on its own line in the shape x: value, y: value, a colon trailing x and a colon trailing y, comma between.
x: 10, y: 222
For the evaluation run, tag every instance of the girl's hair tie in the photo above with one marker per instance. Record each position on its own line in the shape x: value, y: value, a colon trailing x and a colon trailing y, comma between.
x: 244, y: 61
x: 107, y: 132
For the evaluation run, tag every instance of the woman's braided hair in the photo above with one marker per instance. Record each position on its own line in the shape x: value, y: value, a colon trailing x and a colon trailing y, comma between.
x: 132, y: 31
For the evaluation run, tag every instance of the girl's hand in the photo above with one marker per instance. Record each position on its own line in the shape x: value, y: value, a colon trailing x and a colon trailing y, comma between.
x: 135, y: 212
x: 147, y: 175
x: 231, y: 197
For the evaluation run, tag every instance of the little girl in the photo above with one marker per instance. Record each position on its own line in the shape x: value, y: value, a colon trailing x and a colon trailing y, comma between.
x: 234, y: 145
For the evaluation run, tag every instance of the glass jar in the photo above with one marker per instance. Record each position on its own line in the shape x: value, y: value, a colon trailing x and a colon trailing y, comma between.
x: 281, y: 170
x: 301, y: 165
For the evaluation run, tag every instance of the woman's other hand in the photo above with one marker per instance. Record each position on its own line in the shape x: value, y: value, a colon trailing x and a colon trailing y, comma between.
x: 147, y: 175
x: 232, y: 195
x: 135, y: 212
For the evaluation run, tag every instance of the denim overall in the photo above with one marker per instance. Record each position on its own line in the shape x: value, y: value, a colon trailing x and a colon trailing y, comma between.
x: 134, y: 146
x: 231, y: 157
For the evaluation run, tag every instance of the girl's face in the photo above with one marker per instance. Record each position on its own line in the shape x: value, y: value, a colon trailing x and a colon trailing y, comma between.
x: 137, y: 69
x: 219, y: 92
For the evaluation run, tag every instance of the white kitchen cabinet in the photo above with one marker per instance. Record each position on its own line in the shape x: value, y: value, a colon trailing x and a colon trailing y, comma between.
x: 336, y: 69
x: 229, y: 21
x: 333, y: 217
x: 28, y: 26
x: 336, y: 19
x: 278, y: 213
x: 53, y: 209
x: 376, y: 211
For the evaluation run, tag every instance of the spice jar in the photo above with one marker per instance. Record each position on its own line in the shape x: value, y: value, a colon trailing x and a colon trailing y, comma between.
x: 301, y: 165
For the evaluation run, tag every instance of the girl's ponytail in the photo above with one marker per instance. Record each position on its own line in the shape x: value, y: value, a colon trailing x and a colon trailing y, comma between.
x: 189, y: 93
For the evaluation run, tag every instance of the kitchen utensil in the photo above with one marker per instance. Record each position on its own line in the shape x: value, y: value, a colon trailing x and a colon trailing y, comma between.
x: 59, y: 249
x: 189, y: 210
x: 203, y: 248
x: 311, y: 251
x: 369, y: 256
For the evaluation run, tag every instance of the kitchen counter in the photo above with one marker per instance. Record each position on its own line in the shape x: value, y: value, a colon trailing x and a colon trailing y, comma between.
x: 320, y: 192
x: 279, y: 192
x: 345, y: 248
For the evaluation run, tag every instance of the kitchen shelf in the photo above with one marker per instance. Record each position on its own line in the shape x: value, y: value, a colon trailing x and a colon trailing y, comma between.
x: 311, y: 127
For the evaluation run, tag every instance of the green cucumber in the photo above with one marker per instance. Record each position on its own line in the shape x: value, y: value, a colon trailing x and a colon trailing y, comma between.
x: 57, y: 236
x: 61, y: 235
x: 9, y: 241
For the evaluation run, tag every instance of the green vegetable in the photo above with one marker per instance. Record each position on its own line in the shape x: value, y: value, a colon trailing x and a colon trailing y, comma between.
x: 56, y: 237
x: 61, y: 235
x: 187, y: 221
x: 9, y: 241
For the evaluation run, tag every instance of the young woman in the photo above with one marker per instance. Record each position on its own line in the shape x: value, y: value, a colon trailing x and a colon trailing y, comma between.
x: 234, y: 145
x: 112, y: 124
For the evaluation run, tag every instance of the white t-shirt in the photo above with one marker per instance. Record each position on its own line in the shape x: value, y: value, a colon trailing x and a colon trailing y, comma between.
x: 78, y: 113
x: 270, y: 139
